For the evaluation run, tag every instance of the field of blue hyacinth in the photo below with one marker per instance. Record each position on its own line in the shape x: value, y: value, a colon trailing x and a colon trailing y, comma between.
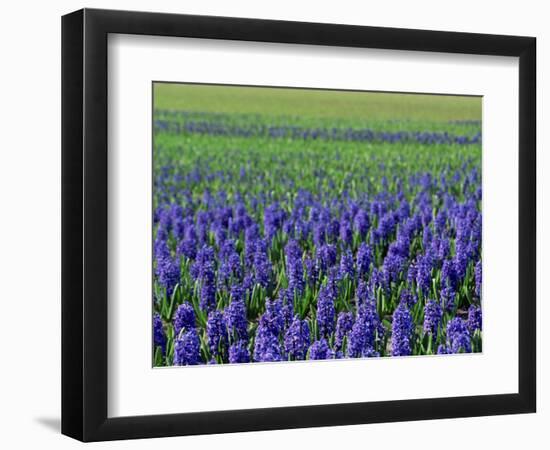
x: 282, y: 237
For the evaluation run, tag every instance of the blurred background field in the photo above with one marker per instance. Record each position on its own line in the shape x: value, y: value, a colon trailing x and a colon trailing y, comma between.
x: 314, y: 103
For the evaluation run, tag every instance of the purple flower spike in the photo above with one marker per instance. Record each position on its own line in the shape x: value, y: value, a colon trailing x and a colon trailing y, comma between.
x: 320, y: 350
x: 184, y: 318
x: 458, y: 336
x: 238, y: 353
x: 365, y: 332
x: 266, y: 346
x: 347, y: 269
x: 325, y: 311
x: 432, y: 317
x: 159, y: 337
x: 477, y: 273
x: 262, y: 265
x: 297, y: 339
x: 361, y: 223
x: 235, y: 318
x: 187, y: 349
x: 216, y: 329
x: 474, y: 319
x: 344, y: 325
x: 364, y: 259
x: 294, y: 267
x: 402, y: 331
x: 448, y: 297
x: 168, y: 272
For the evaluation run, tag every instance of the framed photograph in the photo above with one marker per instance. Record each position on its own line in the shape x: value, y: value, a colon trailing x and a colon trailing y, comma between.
x: 273, y: 224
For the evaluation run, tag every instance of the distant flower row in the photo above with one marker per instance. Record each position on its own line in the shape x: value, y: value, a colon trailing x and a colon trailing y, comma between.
x: 213, y: 128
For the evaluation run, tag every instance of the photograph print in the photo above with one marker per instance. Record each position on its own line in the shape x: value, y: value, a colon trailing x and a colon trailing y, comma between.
x: 311, y: 224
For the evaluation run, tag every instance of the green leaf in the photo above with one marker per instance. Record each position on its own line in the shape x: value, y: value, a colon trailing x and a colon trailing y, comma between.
x: 158, y: 357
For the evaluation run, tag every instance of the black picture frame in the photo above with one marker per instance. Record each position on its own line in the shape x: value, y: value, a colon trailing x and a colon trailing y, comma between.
x: 84, y: 224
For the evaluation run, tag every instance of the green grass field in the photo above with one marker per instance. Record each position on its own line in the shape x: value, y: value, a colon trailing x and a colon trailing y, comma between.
x: 315, y: 103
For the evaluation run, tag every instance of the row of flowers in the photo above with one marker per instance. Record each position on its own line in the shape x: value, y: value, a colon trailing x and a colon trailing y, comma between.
x: 221, y: 129
x: 359, y: 279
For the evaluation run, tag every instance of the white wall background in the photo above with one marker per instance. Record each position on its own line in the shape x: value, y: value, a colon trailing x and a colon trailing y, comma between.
x: 30, y: 222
